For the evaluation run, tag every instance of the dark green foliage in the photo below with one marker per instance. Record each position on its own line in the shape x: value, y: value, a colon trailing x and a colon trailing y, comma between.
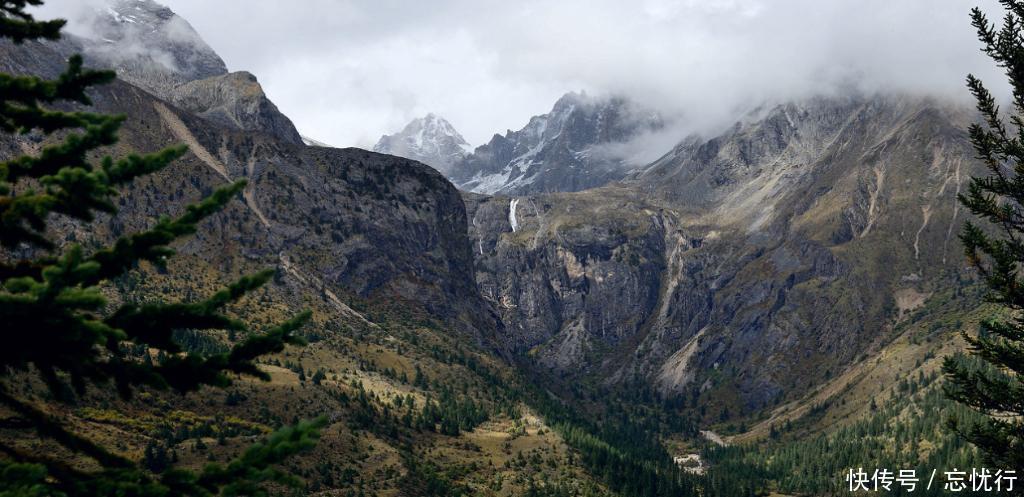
x: 60, y: 326
x: 622, y: 448
x: 424, y: 478
x: 905, y: 432
x: 17, y: 25
x: 996, y: 253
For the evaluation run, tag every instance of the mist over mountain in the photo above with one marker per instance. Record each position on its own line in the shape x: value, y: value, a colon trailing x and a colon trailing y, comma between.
x: 147, y: 43
x: 491, y: 68
x: 581, y: 143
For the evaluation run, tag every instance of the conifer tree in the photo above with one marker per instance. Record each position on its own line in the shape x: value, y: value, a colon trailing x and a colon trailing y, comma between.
x: 57, y: 325
x: 994, y: 387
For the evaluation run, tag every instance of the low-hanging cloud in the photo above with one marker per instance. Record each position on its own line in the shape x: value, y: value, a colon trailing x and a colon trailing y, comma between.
x: 347, y: 71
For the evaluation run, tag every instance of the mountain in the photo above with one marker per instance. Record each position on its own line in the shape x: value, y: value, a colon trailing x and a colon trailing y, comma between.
x: 743, y: 269
x: 792, y: 282
x: 375, y: 246
x: 235, y: 100
x: 154, y: 49
x: 571, y: 148
x: 429, y: 139
x: 149, y: 45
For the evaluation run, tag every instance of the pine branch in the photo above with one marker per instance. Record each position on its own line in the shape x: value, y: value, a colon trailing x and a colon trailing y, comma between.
x: 18, y: 25
x: 52, y: 302
x: 152, y: 245
x: 52, y: 428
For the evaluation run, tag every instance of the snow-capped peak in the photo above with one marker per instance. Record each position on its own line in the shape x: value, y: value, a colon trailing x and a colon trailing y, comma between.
x: 430, y: 139
x: 573, y: 147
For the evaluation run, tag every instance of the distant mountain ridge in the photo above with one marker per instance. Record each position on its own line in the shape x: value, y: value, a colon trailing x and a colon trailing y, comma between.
x: 565, y: 150
x: 803, y: 235
x: 430, y: 139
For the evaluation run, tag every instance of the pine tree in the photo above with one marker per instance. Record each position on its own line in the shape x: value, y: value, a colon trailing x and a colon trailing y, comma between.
x: 995, y: 387
x: 57, y: 324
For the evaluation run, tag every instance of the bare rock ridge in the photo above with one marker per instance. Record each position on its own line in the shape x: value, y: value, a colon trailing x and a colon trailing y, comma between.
x: 430, y: 139
x: 235, y: 100
x: 149, y: 45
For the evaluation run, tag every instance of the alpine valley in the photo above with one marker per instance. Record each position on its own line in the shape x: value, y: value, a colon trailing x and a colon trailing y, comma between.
x: 753, y: 312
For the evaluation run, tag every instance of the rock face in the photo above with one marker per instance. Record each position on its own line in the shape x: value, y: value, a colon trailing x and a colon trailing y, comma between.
x: 235, y: 100
x: 430, y: 139
x: 569, y: 149
x: 754, y: 264
x: 375, y: 246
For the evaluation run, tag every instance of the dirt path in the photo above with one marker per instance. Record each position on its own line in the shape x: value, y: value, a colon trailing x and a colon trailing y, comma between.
x: 315, y: 282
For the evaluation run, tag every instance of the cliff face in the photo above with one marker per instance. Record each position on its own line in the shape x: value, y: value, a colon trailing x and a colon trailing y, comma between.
x: 756, y: 263
x: 347, y: 221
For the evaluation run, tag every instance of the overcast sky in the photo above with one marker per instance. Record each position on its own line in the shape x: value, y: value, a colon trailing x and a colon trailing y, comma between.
x: 347, y: 71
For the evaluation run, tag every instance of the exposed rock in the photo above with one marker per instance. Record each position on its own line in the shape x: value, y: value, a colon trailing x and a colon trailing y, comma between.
x: 753, y: 264
x: 353, y: 224
x: 149, y: 46
x: 235, y: 100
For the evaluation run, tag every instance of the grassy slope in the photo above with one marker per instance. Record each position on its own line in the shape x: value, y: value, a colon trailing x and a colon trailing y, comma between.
x: 885, y: 411
x: 358, y: 452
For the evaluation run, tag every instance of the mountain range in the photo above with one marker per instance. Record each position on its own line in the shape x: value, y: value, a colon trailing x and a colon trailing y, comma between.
x: 543, y: 293
x: 573, y: 147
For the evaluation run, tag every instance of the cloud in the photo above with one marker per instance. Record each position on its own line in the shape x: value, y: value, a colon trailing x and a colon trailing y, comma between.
x: 348, y: 71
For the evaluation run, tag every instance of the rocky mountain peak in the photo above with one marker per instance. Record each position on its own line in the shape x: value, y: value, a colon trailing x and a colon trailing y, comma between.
x: 430, y: 139
x: 567, y: 149
x: 235, y: 100
x: 149, y: 45
x: 570, y: 100
x: 153, y: 48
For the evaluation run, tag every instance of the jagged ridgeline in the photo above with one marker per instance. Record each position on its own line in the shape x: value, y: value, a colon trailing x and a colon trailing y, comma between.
x: 757, y: 310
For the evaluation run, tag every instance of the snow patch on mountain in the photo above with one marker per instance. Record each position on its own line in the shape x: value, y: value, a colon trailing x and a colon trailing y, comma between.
x: 578, y: 145
x: 314, y: 143
x: 430, y: 139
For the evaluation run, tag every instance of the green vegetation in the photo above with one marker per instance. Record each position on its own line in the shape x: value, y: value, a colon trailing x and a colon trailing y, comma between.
x: 619, y: 442
x: 906, y: 432
x: 996, y: 391
x: 62, y: 329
